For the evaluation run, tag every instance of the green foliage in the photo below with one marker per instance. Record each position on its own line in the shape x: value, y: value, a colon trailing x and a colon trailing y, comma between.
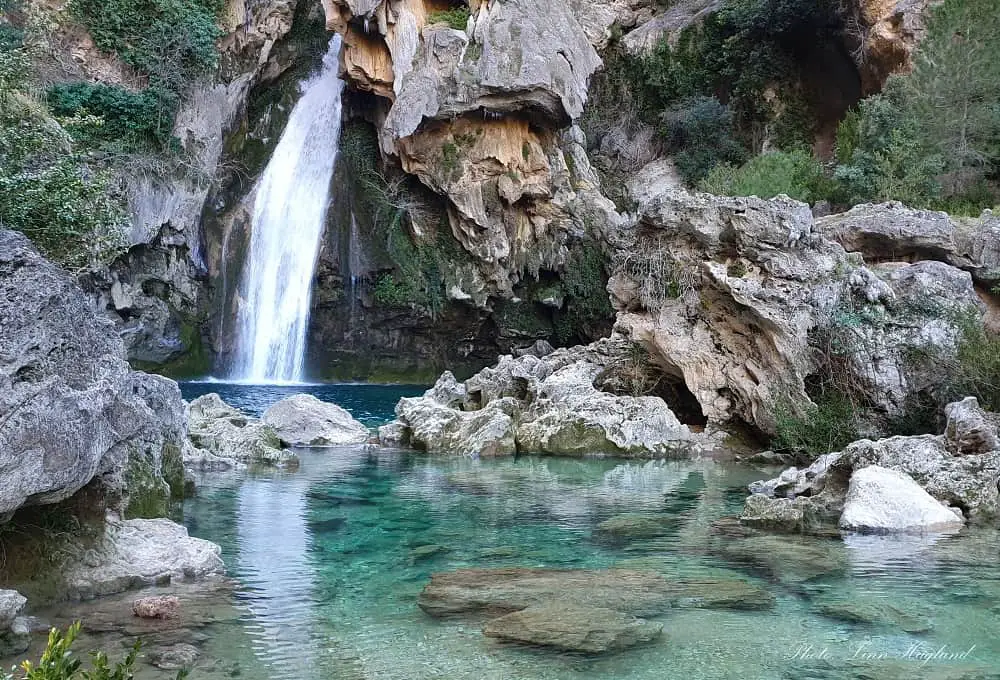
x: 932, y: 139
x: 57, y: 661
x: 391, y: 292
x: 171, y: 41
x: 14, y: 65
x: 794, y: 173
x: 951, y: 93
x: 420, y: 265
x: 883, y: 155
x: 587, y: 306
x: 977, y: 370
x: 11, y: 38
x: 456, y: 17
x: 700, y: 132
x: 829, y: 424
x: 127, y: 120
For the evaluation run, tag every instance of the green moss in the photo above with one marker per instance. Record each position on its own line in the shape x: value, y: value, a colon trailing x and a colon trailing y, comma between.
x: 456, y: 17
x: 349, y: 366
x: 148, y: 494
x: 194, y: 363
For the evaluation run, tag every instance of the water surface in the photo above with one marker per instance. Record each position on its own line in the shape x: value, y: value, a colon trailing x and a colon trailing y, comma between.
x: 326, y: 577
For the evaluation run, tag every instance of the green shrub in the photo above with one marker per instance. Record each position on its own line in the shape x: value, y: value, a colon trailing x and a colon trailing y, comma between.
x: 883, y: 156
x: 794, y: 173
x: 456, y: 17
x: 66, y: 209
x: 977, y: 366
x: 57, y: 662
x: 587, y: 307
x: 128, y: 120
x: 700, y: 132
x: 171, y: 41
x: 830, y: 424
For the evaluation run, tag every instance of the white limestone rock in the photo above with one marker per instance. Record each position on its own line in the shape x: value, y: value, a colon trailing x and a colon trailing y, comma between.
x: 304, y: 420
x: 880, y: 500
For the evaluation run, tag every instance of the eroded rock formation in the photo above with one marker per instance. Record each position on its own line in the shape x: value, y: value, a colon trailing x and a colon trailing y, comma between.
x: 72, y: 413
x: 548, y: 404
x: 478, y: 116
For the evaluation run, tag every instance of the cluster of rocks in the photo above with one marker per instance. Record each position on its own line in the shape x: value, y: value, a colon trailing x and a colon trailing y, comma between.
x: 225, y: 437
x: 541, y: 404
x: 899, y: 484
x: 587, y: 611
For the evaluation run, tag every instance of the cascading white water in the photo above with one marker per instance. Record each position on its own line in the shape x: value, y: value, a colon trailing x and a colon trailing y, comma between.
x: 288, y: 216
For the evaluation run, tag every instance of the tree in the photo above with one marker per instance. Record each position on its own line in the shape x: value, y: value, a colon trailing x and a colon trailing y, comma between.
x: 952, y: 92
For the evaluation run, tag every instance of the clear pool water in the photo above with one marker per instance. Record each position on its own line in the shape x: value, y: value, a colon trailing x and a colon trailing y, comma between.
x: 326, y: 577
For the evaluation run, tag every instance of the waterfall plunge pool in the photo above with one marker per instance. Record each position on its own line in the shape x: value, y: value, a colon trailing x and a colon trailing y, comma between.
x: 327, y: 562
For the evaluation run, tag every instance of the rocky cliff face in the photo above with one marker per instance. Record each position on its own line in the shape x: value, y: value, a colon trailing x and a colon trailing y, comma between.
x: 72, y: 413
x: 157, y: 292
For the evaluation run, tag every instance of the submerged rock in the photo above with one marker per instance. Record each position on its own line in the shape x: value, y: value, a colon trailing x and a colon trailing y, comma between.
x: 157, y: 607
x: 574, y: 628
x: 872, y: 613
x: 140, y: 552
x: 304, y: 420
x: 633, y: 525
x: 883, y: 501
x: 225, y: 432
x: 640, y: 593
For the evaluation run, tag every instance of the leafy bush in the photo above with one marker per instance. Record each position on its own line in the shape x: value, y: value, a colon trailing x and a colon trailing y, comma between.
x: 46, y: 192
x: 794, y: 173
x: 171, y: 41
x: 588, y: 306
x: 128, y: 120
x: 883, y: 157
x: 830, y: 424
x: 58, y: 662
x: 700, y: 132
x: 456, y: 17
x: 977, y: 369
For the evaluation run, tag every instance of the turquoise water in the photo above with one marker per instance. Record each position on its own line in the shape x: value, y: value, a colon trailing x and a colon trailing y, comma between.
x: 326, y: 577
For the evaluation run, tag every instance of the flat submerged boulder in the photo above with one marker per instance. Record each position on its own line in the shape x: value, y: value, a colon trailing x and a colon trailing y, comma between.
x: 573, y: 628
x: 304, y: 420
x: 639, y: 593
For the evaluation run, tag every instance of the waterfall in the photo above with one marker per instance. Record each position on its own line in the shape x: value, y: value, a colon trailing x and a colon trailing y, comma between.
x: 289, y: 212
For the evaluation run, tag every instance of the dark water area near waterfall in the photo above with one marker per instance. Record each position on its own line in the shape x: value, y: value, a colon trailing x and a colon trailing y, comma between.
x: 373, y: 405
x: 327, y: 563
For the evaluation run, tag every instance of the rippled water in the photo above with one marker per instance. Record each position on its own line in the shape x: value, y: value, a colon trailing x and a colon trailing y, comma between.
x: 327, y: 577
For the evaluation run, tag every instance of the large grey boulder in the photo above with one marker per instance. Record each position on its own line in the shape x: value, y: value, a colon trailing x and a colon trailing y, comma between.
x: 573, y: 628
x: 225, y: 432
x: 71, y: 409
x: 969, y: 429
x: 880, y: 500
x: 139, y: 552
x: 304, y: 420
x: 546, y: 404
